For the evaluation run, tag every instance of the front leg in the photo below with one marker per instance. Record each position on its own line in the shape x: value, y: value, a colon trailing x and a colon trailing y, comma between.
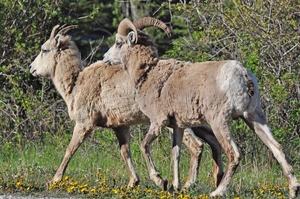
x: 176, y: 148
x: 81, y: 131
x: 123, y: 135
x: 195, y: 146
x: 152, y: 134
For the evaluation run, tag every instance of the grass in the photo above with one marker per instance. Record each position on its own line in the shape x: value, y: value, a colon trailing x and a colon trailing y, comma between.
x: 97, y: 170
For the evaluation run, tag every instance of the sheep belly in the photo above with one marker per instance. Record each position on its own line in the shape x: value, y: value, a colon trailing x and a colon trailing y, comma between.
x: 119, y: 105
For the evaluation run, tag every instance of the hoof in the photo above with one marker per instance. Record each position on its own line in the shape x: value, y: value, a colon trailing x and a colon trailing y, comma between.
x: 217, y: 194
x: 172, y: 190
x: 295, y: 191
x: 219, y: 179
x: 51, y: 183
x: 164, y: 184
x: 48, y: 184
x: 159, y: 181
x: 133, y: 183
x: 188, y: 186
x: 55, y: 179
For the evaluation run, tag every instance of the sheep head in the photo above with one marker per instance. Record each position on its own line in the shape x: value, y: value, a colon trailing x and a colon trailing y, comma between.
x: 128, y: 36
x: 44, y: 63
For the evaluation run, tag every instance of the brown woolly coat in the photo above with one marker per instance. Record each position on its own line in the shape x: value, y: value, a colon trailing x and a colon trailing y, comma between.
x: 189, y: 94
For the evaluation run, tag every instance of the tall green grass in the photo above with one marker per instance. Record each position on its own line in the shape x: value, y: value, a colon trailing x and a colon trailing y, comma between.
x: 27, y: 166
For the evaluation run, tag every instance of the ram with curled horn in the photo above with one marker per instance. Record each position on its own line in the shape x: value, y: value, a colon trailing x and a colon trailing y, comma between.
x: 181, y: 94
x: 95, y: 98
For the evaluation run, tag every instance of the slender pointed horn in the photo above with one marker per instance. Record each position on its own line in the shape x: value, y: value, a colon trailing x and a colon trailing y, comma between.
x: 125, y: 26
x: 66, y: 29
x: 150, y: 21
x: 53, y: 31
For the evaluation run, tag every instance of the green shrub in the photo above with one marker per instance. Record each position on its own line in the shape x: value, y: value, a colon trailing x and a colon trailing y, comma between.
x: 263, y: 35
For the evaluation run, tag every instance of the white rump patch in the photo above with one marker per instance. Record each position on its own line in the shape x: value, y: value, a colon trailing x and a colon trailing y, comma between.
x: 231, y: 80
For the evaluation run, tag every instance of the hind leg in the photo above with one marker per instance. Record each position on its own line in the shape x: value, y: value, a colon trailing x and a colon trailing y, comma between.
x: 205, y: 133
x: 222, y: 133
x: 123, y: 135
x: 261, y: 128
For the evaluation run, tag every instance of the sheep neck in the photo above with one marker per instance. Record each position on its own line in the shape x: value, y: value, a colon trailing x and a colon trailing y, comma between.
x: 139, y: 62
x: 67, y: 68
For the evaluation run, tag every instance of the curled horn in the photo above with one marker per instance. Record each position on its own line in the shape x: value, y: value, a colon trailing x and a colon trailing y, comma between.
x: 53, y: 31
x: 66, y: 29
x: 150, y: 21
x: 125, y: 26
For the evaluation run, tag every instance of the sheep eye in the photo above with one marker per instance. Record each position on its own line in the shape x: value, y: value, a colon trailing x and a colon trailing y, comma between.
x: 44, y: 51
x: 119, y: 44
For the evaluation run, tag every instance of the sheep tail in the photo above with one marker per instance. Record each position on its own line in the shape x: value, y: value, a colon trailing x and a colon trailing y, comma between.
x: 250, y: 85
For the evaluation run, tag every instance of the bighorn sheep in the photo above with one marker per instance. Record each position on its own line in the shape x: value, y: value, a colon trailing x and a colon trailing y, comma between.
x: 183, y: 94
x: 102, y: 96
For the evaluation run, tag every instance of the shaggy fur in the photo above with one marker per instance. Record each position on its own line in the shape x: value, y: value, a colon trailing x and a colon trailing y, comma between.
x: 182, y: 94
x: 102, y: 96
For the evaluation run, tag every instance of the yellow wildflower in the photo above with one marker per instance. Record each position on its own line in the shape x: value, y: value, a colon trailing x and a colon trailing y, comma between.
x: 93, y: 190
x: 70, y: 189
x: 82, y: 190
x: 261, y: 191
x: 19, y: 183
x: 115, y: 191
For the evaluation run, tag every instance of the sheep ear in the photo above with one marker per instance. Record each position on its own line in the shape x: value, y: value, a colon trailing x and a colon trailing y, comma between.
x: 57, y: 40
x: 60, y: 40
x: 131, y: 38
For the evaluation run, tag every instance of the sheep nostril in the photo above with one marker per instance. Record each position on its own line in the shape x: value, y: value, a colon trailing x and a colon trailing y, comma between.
x: 107, y: 62
x: 30, y: 67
